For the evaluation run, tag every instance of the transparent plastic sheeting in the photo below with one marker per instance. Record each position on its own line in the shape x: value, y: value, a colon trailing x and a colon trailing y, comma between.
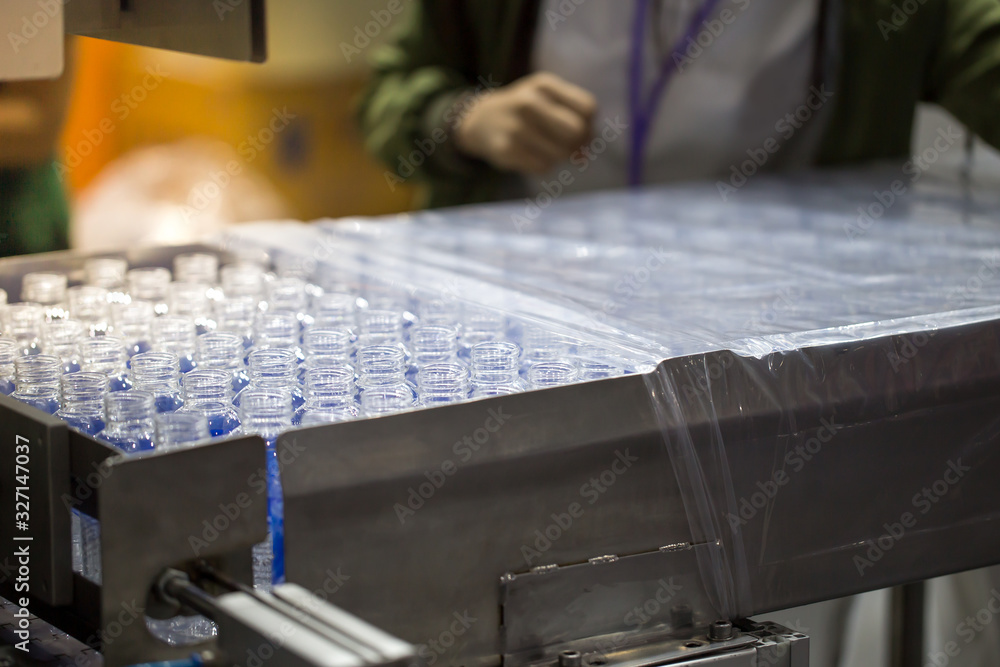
x: 781, y: 265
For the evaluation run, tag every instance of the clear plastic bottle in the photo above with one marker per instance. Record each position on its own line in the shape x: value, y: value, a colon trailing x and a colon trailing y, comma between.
x: 334, y: 310
x: 150, y: 284
x: 86, y: 545
x: 596, y: 363
x: 237, y: 314
x: 208, y: 393
x: 23, y: 322
x: 129, y: 421
x: 106, y: 355
x: 387, y: 400
x: 90, y: 305
x: 83, y: 401
x: 326, y: 347
x: 545, y: 374
x: 289, y: 295
x: 191, y: 300
x: 541, y: 346
x: 330, y: 390
x: 268, y: 413
x: 278, y: 330
x: 243, y: 279
x: 432, y: 344
x: 223, y: 350
x: 382, y: 377
x: 480, y: 326
x: 197, y: 267
x: 36, y: 381
x: 495, y: 369
x: 132, y: 322
x: 175, y: 430
x: 60, y: 339
x: 176, y: 335
x: 158, y: 373
x: 441, y: 312
x: 106, y: 272
x: 443, y: 383
x: 274, y: 369
x: 9, y: 351
x: 380, y: 327
x: 47, y: 290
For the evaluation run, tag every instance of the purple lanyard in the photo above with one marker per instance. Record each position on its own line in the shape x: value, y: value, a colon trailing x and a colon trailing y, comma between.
x: 644, y: 111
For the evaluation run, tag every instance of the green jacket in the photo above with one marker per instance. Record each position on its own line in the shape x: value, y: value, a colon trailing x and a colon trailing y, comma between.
x: 34, y: 216
x: 879, y: 60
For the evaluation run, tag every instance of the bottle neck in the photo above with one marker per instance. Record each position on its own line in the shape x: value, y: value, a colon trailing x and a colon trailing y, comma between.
x: 327, y: 346
x: 386, y: 400
x: 41, y: 370
x: 443, y: 383
x: 329, y: 387
x: 434, y: 344
x: 103, y: 355
x: 84, y: 391
x: 266, y: 413
x: 129, y: 413
x: 207, y: 386
x: 495, y: 363
x: 552, y: 374
x: 381, y: 365
x: 220, y: 351
x: 273, y: 369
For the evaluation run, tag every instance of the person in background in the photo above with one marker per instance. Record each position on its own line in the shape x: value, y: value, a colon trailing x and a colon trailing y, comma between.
x: 496, y: 98
x: 34, y: 215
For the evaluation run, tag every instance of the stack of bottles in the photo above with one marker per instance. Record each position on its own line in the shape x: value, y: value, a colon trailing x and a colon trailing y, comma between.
x: 149, y: 358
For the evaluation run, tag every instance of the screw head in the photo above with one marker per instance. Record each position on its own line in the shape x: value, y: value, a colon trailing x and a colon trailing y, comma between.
x: 720, y: 631
x: 570, y: 659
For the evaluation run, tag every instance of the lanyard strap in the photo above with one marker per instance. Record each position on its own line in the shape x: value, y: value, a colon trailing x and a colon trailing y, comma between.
x: 644, y: 111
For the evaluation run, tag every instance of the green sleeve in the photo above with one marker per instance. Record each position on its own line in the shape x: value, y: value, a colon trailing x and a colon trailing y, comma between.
x: 417, y: 79
x: 965, y: 72
x: 34, y: 215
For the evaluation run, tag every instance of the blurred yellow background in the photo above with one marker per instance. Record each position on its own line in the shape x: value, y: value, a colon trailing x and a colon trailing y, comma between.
x: 301, y: 102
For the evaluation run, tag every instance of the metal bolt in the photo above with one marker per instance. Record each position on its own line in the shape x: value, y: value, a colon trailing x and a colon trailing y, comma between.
x: 570, y: 659
x: 720, y: 631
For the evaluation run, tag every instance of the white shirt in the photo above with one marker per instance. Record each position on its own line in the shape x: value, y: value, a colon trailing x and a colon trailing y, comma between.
x: 729, y: 98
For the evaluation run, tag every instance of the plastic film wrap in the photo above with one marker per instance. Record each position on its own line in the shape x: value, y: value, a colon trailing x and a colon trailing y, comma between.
x: 800, y: 343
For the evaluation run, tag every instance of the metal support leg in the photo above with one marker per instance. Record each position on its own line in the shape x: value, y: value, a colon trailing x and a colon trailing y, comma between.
x: 907, y: 625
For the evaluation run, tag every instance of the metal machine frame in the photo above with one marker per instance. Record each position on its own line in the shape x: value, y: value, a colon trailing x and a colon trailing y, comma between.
x: 461, y: 553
